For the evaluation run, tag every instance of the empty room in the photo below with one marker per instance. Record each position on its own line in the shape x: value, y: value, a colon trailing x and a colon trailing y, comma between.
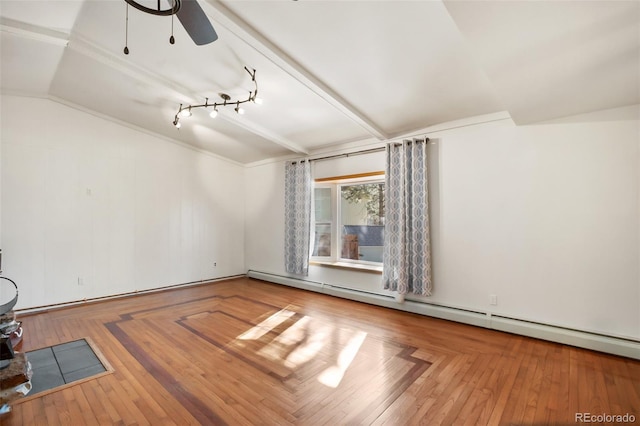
x: 362, y: 212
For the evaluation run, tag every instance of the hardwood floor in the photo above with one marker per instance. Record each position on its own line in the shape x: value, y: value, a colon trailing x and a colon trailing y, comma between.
x: 248, y: 352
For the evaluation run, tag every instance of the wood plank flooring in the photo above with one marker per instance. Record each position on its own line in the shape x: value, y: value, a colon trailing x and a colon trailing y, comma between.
x: 245, y: 352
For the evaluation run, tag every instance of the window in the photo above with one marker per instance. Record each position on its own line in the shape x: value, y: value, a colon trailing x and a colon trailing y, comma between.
x: 349, y: 219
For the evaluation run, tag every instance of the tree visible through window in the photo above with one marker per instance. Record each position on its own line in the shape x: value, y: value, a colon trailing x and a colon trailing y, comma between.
x: 370, y: 196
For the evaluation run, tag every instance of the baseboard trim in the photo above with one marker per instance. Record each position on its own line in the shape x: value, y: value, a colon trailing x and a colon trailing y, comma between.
x: 566, y: 336
x: 45, y: 308
x: 582, y: 339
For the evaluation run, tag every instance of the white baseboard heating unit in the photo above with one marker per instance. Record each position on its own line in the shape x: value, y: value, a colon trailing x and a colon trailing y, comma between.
x: 582, y: 339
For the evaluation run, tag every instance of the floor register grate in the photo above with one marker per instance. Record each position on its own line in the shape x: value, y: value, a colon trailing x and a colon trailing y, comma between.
x: 61, y: 364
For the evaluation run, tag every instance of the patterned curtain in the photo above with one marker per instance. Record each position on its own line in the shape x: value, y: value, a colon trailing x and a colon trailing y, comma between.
x: 407, y: 249
x: 297, y: 211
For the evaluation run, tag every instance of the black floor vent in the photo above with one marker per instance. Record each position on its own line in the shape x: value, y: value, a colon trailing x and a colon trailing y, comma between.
x: 61, y: 364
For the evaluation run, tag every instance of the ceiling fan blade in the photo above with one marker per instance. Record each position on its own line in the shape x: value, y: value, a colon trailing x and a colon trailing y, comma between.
x: 195, y: 21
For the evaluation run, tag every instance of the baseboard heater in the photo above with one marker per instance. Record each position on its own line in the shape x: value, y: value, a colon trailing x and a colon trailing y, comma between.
x: 582, y: 339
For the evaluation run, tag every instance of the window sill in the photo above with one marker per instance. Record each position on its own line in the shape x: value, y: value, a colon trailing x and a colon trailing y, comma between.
x: 350, y: 266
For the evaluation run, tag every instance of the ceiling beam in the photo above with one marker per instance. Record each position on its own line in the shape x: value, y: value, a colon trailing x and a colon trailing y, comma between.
x: 232, y: 22
x: 33, y: 32
x: 256, y: 129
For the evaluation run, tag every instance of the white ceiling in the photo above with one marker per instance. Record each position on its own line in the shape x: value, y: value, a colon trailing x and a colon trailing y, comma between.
x: 330, y: 72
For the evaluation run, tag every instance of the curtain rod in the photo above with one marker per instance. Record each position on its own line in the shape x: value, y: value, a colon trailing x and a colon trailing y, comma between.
x: 347, y: 154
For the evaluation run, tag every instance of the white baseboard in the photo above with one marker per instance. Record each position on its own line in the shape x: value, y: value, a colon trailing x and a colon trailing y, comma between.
x: 61, y: 305
x: 582, y: 339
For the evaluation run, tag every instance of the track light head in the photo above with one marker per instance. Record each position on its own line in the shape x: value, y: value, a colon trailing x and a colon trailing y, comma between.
x: 185, y: 112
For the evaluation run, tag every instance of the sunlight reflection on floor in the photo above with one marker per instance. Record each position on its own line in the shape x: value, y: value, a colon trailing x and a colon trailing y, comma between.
x: 333, y: 375
x: 304, y: 341
x: 267, y: 325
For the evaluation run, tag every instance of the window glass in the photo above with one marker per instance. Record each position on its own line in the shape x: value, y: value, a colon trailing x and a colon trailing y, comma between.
x: 323, y: 213
x: 323, y: 204
x: 362, y: 221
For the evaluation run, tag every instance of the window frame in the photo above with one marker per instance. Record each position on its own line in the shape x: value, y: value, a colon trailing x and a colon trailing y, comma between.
x: 335, y: 184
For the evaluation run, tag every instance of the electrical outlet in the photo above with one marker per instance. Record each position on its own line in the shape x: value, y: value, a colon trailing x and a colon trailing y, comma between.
x: 80, y: 281
x: 493, y: 299
x: 215, y: 264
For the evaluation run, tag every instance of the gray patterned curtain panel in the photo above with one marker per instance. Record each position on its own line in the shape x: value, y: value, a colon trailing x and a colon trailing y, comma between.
x: 407, y: 248
x: 297, y: 221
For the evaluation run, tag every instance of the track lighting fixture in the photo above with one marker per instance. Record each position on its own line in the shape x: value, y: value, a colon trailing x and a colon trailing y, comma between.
x: 185, y: 111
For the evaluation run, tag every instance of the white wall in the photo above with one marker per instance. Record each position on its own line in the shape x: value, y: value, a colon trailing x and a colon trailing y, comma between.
x: 546, y: 217
x: 86, y: 199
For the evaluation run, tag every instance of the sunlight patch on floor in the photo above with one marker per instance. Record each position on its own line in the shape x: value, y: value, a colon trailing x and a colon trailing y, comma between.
x: 311, y: 346
x: 296, y: 334
x: 333, y: 375
x: 306, y: 340
x: 267, y: 325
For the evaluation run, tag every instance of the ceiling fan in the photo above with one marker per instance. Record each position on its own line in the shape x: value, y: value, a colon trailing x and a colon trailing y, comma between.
x: 190, y: 14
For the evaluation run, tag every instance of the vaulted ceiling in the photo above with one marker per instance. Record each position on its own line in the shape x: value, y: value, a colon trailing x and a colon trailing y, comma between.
x: 330, y: 72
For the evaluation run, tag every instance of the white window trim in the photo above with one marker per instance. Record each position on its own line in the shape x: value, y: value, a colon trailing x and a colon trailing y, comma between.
x: 334, y: 207
x: 335, y: 260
